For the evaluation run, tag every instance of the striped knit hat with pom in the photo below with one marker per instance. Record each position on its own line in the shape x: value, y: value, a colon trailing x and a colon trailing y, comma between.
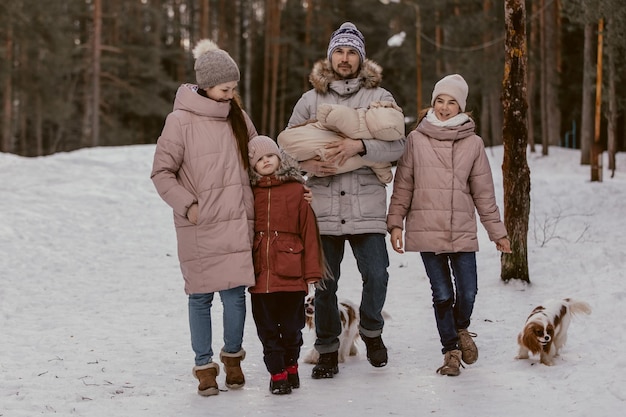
x: 347, y: 35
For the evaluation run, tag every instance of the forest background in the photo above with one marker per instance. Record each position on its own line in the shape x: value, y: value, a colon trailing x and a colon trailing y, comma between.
x: 84, y: 73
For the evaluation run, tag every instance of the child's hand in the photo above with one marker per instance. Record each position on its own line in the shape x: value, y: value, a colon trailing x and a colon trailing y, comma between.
x: 308, y: 194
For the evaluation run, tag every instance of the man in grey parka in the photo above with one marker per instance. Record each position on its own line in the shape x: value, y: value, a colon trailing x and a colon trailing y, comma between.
x: 350, y: 206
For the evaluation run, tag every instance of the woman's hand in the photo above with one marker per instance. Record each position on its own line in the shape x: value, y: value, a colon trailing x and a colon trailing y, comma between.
x: 192, y: 213
x: 504, y: 245
x: 396, y: 240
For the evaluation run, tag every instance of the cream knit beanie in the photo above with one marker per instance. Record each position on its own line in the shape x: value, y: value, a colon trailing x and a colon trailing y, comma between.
x: 453, y: 85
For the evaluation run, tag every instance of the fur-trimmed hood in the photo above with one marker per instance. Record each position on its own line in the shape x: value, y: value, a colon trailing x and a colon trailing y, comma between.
x: 322, y: 75
x: 288, y: 170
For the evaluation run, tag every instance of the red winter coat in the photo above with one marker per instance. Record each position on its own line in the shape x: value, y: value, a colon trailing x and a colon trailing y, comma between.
x: 286, y: 248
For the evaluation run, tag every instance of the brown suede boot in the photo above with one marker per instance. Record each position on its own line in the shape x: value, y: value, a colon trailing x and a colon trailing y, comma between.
x: 232, y: 367
x: 451, y: 363
x: 206, y: 374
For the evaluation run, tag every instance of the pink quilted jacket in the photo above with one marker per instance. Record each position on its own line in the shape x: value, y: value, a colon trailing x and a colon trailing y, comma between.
x: 197, y: 160
x: 441, y: 181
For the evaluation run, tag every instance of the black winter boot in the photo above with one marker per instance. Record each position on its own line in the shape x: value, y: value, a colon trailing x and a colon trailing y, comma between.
x: 279, y: 384
x: 293, y: 377
x: 326, y: 366
x: 376, y: 350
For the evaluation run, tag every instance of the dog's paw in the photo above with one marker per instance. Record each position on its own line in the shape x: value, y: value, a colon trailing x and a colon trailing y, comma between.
x: 311, y: 356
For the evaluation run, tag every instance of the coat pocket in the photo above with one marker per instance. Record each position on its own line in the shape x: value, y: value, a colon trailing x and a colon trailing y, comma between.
x: 372, y: 199
x: 287, y: 257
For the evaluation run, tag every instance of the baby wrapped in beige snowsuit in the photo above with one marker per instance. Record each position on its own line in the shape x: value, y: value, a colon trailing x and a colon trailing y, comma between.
x: 382, y: 120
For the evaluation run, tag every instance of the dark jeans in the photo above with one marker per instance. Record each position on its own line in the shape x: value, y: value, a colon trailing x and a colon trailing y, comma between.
x: 452, y: 311
x: 370, y: 252
x: 279, y: 318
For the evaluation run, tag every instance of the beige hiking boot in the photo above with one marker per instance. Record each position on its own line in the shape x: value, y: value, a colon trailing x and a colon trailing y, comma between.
x: 451, y: 363
x: 468, y: 348
x: 206, y: 374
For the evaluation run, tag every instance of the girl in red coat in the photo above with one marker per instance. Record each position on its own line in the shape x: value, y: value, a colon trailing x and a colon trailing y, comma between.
x: 287, y: 258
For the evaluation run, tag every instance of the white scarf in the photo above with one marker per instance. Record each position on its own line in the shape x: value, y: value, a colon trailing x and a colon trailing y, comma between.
x: 457, y: 120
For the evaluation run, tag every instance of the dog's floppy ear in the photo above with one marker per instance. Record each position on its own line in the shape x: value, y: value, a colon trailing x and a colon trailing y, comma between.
x: 529, y: 339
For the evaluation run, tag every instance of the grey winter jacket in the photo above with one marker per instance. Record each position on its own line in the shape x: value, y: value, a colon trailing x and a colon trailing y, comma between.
x: 442, y: 180
x: 197, y: 161
x: 353, y: 202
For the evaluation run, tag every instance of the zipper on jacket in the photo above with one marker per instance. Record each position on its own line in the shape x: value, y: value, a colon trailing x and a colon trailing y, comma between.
x: 267, y: 245
x: 452, y: 196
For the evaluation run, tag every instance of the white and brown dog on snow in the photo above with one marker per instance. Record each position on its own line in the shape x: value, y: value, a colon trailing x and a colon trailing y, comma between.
x: 349, y: 315
x: 545, y: 331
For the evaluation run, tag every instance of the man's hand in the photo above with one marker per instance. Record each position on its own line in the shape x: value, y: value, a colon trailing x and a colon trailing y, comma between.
x: 341, y: 150
x: 319, y: 168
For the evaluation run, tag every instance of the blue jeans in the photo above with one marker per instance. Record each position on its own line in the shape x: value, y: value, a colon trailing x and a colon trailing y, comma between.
x: 234, y: 316
x: 370, y: 252
x: 452, y: 311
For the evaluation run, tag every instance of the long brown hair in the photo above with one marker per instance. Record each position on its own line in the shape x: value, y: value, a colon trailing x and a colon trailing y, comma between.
x: 240, y: 129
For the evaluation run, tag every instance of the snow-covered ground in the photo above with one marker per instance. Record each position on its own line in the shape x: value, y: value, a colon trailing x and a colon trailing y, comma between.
x: 93, y: 317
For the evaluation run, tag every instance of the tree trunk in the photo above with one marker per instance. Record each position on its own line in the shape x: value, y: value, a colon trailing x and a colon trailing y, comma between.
x: 586, y: 123
x: 486, y: 132
x: 204, y: 19
x: 97, y: 32
x: 543, y: 79
x: 247, y: 70
x: 308, y: 27
x: 532, y: 75
x: 516, y: 174
x: 553, y: 110
x: 612, y: 104
x: 496, y: 116
x: 7, y: 98
x: 596, y: 147
x: 484, y: 118
x: 267, y: 64
x: 275, y: 54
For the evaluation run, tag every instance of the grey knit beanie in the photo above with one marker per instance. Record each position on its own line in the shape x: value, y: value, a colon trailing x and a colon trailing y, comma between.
x: 453, y: 85
x: 260, y: 146
x: 347, y: 35
x: 213, y: 65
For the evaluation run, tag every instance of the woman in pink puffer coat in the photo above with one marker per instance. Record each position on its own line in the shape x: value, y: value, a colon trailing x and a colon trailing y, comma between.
x: 200, y: 171
x: 441, y: 181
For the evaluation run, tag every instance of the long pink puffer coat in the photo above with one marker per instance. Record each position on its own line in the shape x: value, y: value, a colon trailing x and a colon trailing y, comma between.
x: 197, y: 160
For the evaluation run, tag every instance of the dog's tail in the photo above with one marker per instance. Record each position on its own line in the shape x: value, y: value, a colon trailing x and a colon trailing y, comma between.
x: 578, y: 306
